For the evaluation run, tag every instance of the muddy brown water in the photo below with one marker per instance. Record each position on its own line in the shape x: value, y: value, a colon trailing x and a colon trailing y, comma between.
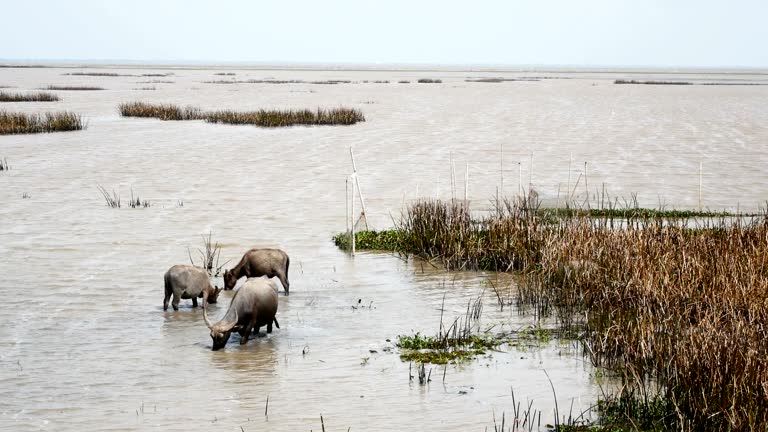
x: 85, y: 344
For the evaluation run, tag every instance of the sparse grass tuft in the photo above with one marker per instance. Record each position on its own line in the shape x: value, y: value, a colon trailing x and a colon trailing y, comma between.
x: 4, y: 165
x: 20, y: 123
x: 28, y: 97
x: 209, y: 256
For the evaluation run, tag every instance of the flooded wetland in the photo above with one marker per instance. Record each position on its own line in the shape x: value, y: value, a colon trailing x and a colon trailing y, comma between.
x: 85, y: 342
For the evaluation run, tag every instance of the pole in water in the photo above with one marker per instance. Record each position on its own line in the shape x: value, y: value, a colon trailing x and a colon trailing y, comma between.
x: 352, y: 217
x: 466, y: 182
x: 586, y: 186
x: 501, y: 171
x: 346, y: 200
x: 357, y: 184
x: 701, y: 167
x: 568, y: 190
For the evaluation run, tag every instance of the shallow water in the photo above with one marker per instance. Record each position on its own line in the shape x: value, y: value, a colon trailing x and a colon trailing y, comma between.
x: 85, y: 343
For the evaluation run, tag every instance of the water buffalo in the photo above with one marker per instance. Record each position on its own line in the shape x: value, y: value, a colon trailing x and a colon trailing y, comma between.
x: 260, y: 262
x: 188, y: 282
x: 253, y: 306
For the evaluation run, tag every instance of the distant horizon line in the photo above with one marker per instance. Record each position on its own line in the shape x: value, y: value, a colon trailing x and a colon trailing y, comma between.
x: 368, y: 66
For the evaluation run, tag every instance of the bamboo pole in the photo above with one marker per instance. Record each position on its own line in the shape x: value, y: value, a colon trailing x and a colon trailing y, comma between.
x: 466, y: 183
x: 530, y: 174
x: 500, y: 192
x: 568, y: 189
x: 701, y: 168
x: 586, y: 186
x: 357, y: 186
x: 354, y: 186
x: 453, y: 178
x: 346, y: 200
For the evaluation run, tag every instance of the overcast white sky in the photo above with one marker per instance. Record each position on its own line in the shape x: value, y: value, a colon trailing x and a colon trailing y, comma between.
x: 663, y: 33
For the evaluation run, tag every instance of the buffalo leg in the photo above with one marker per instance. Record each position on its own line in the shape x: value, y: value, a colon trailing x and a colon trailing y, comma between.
x: 176, y: 299
x: 165, y: 300
x: 269, y: 327
x: 194, y: 301
x: 284, y: 280
x: 246, y: 334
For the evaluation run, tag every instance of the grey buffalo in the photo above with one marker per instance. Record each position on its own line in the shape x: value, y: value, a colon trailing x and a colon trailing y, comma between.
x: 254, y: 305
x: 188, y: 282
x: 260, y: 262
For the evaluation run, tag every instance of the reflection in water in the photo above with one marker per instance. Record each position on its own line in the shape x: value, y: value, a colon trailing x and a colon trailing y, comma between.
x: 86, y: 344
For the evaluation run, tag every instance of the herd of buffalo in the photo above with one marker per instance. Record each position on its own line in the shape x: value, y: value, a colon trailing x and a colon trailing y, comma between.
x: 253, y: 305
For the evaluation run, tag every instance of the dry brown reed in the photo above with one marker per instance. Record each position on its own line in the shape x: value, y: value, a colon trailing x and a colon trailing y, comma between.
x: 21, y: 123
x: 28, y: 97
x: 678, y: 312
x: 262, y: 118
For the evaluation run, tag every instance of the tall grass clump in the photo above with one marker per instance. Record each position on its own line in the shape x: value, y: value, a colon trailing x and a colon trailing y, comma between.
x: 20, y: 123
x: 28, y: 97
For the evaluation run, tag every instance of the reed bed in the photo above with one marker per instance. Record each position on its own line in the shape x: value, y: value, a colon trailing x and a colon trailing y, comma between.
x: 20, y: 123
x: 679, y: 313
x: 74, y: 88
x: 429, y: 81
x: 28, y: 97
x: 621, y: 81
x: 285, y: 118
x: 255, y: 81
x: 262, y: 118
x: 160, y: 111
x: 96, y: 74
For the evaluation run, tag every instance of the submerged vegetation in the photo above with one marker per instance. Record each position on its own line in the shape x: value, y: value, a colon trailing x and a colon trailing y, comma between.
x: 28, y: 97
x: 262, y: 118
x: 679, y: 312
x: 21, y: 123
